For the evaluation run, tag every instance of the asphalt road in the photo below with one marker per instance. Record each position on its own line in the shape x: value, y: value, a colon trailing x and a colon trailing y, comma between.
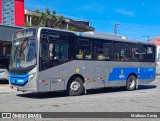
x: 145, y: 99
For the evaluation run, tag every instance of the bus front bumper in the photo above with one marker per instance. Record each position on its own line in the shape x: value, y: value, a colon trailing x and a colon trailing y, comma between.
x: 19, y: 88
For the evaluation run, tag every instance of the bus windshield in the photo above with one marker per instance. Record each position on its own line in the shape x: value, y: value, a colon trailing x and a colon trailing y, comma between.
x: 23, y: 53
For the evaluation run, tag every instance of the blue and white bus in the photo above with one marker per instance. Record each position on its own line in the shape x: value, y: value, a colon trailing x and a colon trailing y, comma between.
x: 45, y: 59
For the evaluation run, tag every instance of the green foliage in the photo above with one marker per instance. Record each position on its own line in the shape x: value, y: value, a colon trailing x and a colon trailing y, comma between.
x: 37, y: 11
x: 48, y: 18
x: 41, y: 25
x: 72, y: 29
x: 47, y: 11
x: 27, y: 24
x: 54, y: 12
x: 60, y: 19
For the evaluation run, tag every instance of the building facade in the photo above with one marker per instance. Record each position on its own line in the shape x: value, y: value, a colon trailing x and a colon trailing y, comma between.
x: 12, y: 12
x: 80, y: 25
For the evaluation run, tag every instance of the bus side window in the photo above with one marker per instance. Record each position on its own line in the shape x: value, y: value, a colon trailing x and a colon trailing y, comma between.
x: 119, y: 51
x: 79, y: 55
x: 63, y: 51
x: 99, y: 50
x: 150, y: 54
x: 45, y: 50
x: 108, y: 50
x: 84, y: 49
x: 140, y: 53
x: 58, y: 51
x: 134, y: 56
x: 52, y: 51
x: 116, y: 56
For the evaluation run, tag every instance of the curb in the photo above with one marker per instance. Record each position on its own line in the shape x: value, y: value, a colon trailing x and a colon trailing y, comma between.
x: 6, y: 89
x: 6, y: 92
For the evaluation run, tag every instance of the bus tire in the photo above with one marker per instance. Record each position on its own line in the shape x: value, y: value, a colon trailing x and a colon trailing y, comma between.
x: 131, y: 83
x: 75, y: 87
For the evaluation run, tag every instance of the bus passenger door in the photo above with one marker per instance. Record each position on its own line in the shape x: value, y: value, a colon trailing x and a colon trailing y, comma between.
x: 54, y: 53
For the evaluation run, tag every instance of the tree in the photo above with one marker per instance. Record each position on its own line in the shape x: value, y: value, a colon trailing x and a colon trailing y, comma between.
x: 48, y: 18
x: 37, y: 10
x: 27, y: 24
x: 47, y: 11
x: 72, y: 29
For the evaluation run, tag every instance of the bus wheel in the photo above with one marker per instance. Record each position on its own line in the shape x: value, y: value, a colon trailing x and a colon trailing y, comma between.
x: 75, y: 87
x: 131, y: 83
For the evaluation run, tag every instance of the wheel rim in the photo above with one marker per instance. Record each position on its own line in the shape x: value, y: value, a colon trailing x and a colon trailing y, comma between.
x: 131, y: 83
x: 75, y: 86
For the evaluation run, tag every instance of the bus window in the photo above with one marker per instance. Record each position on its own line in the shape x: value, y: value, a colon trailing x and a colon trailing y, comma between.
x: 143, y: 53
x: 84, y: 49
x: 122, y: 51
x: 83, y: 42
x: 61, y: 50
x: 119, y: 51
x: 128, y: 55
x: 139, y: 53
x: 150, y: 54
x: 134, y: 58
x: 103, y: 50
x: 99, y: 50
x: 53, y: 52
x: 44, y: 50
x: 108, y: 50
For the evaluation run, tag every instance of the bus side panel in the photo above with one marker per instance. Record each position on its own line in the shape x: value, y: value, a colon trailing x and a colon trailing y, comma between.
x: 54, y: 79
x: 147, y: 73
x: 58, y: 84
x: 94, y: 71
x: 97, y: 74
x: 43, y: 84
x: 119, y: 72
x: 58, y: 77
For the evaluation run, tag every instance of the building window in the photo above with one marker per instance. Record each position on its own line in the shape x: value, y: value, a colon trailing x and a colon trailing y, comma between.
x: 8, y: 12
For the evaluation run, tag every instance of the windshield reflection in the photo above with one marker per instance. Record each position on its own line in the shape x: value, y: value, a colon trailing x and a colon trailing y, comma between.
x: 23, y: 53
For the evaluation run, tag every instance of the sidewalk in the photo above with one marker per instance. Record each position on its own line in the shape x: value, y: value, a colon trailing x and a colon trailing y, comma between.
x: 4, y: 88
x: 158, y: 77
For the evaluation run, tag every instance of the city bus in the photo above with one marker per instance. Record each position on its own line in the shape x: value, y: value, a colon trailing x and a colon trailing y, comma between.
x: 48, y: 60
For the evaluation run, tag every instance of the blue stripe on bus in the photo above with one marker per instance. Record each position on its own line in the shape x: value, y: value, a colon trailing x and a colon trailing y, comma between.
x: 119, y: 74
x: 18, y: 79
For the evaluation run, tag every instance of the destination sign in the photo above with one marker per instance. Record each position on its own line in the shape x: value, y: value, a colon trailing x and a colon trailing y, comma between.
x: 24, y: 33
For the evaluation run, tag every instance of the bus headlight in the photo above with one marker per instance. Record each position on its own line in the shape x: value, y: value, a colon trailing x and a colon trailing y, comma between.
x: 31, y: 76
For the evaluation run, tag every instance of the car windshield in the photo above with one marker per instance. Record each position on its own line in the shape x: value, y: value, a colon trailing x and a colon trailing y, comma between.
x: 23, y: 53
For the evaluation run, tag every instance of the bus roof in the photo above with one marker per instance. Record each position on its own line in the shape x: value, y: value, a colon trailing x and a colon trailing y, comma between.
x: 113, y: 37
x: 96, y: 35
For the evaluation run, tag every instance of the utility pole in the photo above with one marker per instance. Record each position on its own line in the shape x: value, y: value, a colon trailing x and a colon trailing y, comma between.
x: 115, y: 28
x: 147, y: 37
